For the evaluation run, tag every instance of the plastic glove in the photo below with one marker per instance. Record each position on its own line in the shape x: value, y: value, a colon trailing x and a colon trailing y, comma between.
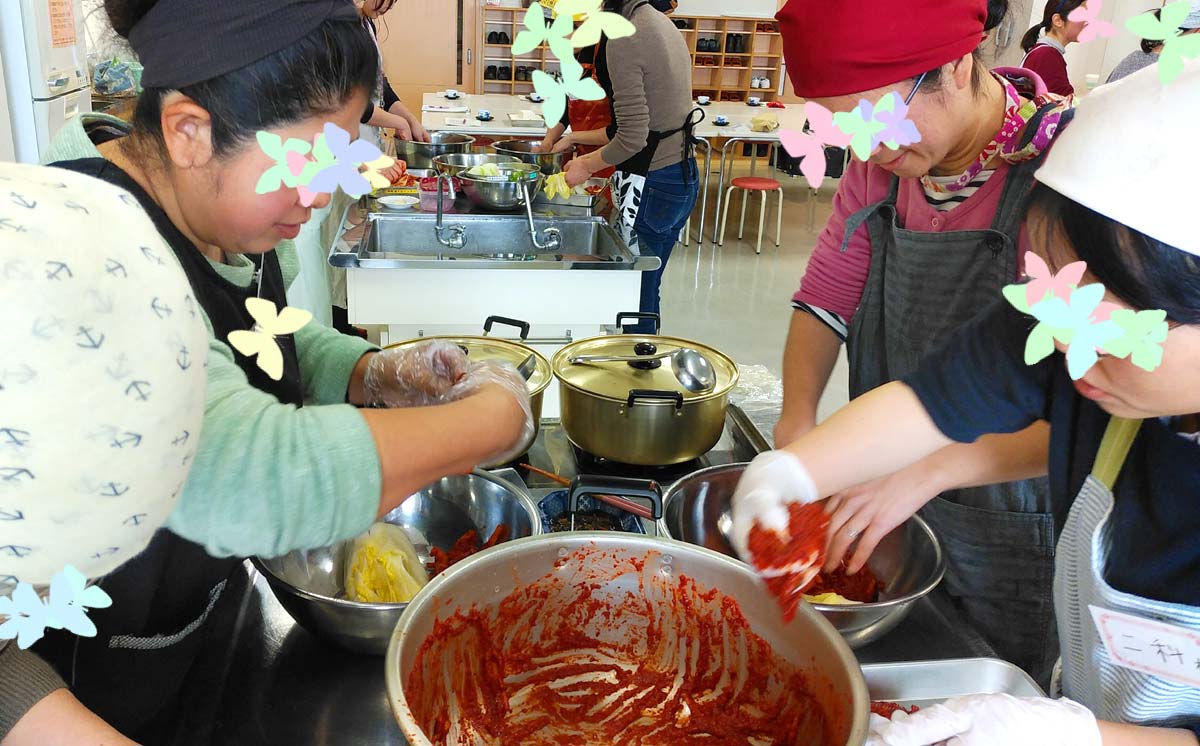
x: 771, y: 481
x: 992, y: 720
x: 506, y: 376
x: 416, y: 376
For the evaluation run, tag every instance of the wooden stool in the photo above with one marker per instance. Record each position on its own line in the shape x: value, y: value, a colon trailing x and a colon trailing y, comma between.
x: 753, y: 184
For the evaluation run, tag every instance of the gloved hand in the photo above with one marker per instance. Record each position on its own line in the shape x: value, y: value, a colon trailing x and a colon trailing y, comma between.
x: 416, y: 376
x: 991, y: 720
x: 505, y: 375
x: 771, y: 481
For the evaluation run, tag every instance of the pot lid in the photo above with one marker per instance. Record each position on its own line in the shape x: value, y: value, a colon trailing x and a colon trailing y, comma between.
x: 496, y: 348
x: 614, y: 380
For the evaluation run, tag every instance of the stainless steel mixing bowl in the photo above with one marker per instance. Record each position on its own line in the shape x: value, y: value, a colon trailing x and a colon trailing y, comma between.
x: 908, y: 561
x: 501, y: 192
x: 808, y: 641
x: 421, y: 154
x: 526, y: 150
x: 454, y: 164
x: 309, y: 583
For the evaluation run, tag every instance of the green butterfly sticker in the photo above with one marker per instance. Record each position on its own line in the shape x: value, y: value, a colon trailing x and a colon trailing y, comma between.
x: 538, y: 31
x: 1145, y: 331
x: 612, y: 25
x: 555, y: 93
x: 1176, y: 48
x: 862, y: 127
x: 281, y: 174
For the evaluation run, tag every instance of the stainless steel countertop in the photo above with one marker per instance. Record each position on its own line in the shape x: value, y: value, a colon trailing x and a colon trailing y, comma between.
x: 264, y: 680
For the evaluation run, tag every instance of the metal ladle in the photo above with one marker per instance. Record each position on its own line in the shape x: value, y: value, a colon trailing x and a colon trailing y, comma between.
x: 693, y: 371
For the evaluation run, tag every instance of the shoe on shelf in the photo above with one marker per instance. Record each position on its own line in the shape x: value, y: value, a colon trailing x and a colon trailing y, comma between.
x: 490, y: 73
x: 754, y: 82
x: 504, y: 38
x: 504, y: 73
x: 493, y: 37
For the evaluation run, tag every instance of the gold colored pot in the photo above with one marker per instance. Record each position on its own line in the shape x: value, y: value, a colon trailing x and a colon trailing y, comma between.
x: 507, y: 351
x: 638, y: 412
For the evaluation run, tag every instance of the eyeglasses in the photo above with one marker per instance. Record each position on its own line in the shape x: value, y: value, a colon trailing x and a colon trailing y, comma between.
x: 916, y: 88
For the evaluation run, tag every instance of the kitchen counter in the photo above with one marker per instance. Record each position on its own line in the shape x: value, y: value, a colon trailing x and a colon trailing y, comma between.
x: 265, y: 681
x: 499, y: 104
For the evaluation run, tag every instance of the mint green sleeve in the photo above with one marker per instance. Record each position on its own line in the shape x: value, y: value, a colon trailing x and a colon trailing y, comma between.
x: 270, y: 477
x: 327, y: 358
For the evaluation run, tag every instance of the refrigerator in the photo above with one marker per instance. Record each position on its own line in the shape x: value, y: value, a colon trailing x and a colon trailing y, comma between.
x: 46, y: 83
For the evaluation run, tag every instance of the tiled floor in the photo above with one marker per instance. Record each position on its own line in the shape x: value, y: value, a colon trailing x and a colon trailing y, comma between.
x: 739, y: 302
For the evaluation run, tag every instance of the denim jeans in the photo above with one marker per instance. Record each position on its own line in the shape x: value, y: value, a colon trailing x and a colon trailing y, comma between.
x: 668, y: 197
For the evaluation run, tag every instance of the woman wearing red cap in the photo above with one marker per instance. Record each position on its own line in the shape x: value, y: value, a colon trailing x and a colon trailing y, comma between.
x: 921, y: 238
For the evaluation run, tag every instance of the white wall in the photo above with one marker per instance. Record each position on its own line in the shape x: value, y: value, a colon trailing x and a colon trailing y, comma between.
x: 765, y: 8
x: 1100, y: 56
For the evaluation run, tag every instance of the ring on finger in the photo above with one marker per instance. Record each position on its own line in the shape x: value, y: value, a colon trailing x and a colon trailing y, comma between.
x: 853, y: 533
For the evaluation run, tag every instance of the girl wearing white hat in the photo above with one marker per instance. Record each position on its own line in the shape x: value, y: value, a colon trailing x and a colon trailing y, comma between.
x: 1117, y: 192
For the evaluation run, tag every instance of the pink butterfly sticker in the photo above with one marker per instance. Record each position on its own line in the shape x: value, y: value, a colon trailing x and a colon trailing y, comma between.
x: 1089, y: 13
x: 811, y: 147
x: 1042, y: 280
x: 296, y: 163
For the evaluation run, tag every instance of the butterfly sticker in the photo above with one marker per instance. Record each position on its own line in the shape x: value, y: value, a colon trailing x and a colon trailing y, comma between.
x: 1176, y: 47
x: 339, y: 159
x: 1095, y: 28
x: 555, y: 93
x: 269, y: 324
x: 372, y: 171
x: 810, y: 145
x: 898, y: 129
x: 28, y: 616
x: 538, y: 31
x: 612, y: 25
x: 1144, y: 334
x: 1070, y: 322
x: 1042, y: 281
x: 297, y: 163
x: 862, y: 127
x: 285, y: 154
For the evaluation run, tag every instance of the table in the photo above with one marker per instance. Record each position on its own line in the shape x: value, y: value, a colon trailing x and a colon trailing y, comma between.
x: 738, y: 131
x: 499, y: 104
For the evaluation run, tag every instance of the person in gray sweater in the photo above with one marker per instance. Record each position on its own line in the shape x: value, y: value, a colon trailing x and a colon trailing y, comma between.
x: 1151, y: 48
x: 656, y: 180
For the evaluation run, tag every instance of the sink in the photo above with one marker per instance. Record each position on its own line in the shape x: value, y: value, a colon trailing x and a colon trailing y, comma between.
x: 491, y: 242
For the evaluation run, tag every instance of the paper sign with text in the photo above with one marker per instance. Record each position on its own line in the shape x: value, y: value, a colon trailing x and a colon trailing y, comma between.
x: 1150, y: 646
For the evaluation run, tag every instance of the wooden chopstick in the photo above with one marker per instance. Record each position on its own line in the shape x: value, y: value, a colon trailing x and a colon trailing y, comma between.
x: 617, y: 502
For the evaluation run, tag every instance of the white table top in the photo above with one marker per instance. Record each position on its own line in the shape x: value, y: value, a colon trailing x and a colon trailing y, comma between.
x: 500, y: 104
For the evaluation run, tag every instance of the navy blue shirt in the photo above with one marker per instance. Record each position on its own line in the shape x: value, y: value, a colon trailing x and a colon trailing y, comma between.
x: 979, y: 383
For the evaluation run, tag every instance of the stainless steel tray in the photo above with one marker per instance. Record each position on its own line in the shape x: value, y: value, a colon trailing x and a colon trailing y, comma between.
x: 925, y: 683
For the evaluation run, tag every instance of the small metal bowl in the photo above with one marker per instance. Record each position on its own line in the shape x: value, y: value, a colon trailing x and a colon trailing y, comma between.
x: 309, y: 583
x: 908, y: 561
x: 526, y: 150
x: 417, y: 155
x: 454, y: 164
x: 501, y: 192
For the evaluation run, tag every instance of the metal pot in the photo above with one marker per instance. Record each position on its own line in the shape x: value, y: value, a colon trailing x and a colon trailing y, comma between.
x: 421, y: 154
x: 526, y: 150
x: 638, y: 412
x: 908, y: 561
x: 808, y: 641
x: 309, y: 583
x: 502, y: 192
x: 507, y: 351
x: 454, y: 164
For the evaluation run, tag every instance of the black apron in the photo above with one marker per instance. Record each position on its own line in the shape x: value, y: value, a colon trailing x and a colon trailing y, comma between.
x: 165, y: 599
x: 921, y: 287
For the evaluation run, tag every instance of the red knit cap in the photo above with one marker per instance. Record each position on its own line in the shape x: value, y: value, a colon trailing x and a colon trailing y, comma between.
x: 841, y: 47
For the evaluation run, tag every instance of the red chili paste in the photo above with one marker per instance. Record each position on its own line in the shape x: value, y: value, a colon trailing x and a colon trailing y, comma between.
x: 887, y: 709
x: 862, y: 586
x: 605, y: 649
x: 803, y: 545
x: 464, y: 547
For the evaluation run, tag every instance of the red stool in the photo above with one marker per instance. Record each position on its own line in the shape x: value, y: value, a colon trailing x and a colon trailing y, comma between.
x: 749, y: 184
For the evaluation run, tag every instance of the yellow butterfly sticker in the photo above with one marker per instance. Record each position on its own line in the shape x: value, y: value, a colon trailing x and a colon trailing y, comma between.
x: 269, y: 324
x: 612, y: 25
x: 371, y: 171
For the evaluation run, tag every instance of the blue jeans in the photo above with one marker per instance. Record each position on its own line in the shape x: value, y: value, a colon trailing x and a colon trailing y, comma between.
x: 667, y: 201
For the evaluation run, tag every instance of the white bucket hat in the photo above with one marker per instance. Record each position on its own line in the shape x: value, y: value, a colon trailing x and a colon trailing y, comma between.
x: 1133, y: 155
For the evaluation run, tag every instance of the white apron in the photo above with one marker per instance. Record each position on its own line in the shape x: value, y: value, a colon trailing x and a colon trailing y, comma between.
x: 1089, y: 676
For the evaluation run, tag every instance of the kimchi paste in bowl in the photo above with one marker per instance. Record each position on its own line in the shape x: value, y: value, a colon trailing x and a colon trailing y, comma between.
x: 601, y: 638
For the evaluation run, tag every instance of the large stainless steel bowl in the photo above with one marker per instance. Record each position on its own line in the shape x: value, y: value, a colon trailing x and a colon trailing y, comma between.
x: 808, y: 641
x: 421, y: 154
x: 309, y: 583
x: 454, y: 164
x: 908, y: 561
x: 526, y: 150
x: 501, y: 192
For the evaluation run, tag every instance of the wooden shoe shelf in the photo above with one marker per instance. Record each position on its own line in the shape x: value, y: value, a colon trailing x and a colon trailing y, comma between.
x: 508, y: 21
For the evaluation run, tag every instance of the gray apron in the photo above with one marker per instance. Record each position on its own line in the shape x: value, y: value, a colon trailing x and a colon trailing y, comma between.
x: 921, y: 287
x: 1089, y: 677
